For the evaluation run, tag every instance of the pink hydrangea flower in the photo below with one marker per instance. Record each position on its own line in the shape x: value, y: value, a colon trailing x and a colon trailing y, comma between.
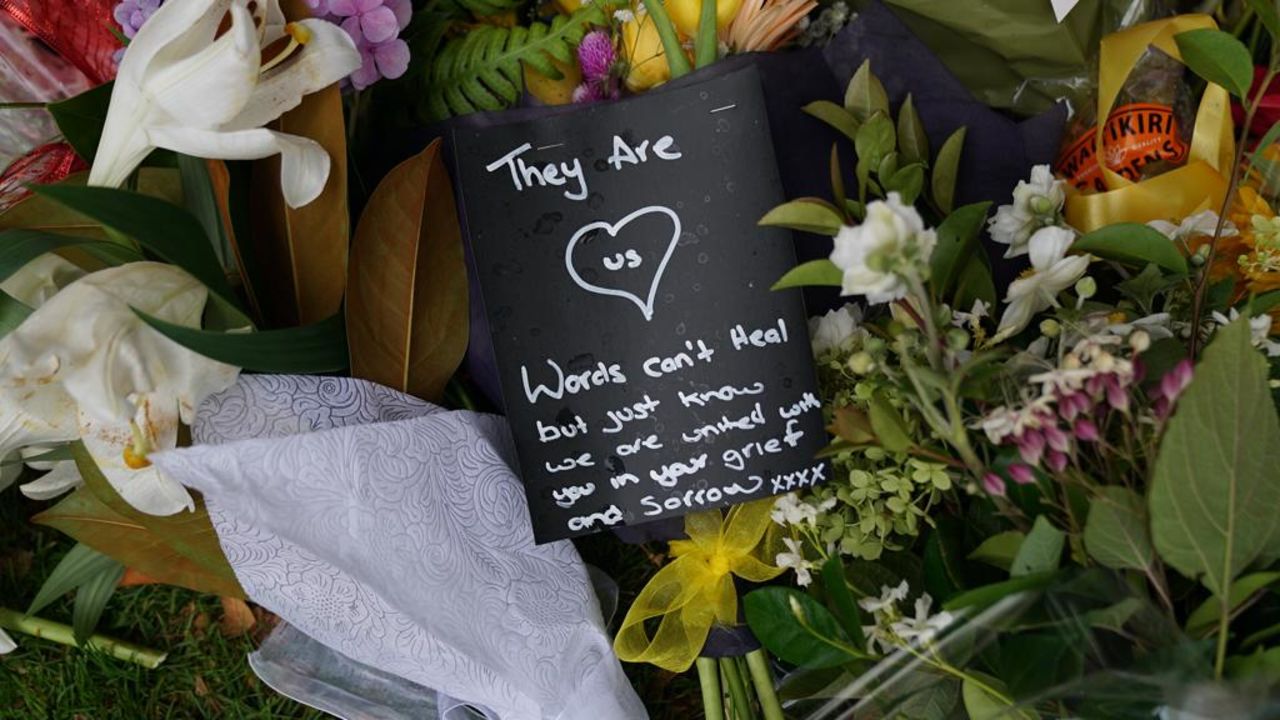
x: 131, y: 14
x: 375, y: 26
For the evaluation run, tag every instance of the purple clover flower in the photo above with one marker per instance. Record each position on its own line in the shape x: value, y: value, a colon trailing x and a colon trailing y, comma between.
x: 596, y: 58
x: 131, y: 14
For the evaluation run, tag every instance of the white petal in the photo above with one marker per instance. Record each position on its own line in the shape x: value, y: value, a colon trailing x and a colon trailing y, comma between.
x: 1064, y: 273
x: 146, y: 489
x: 40, y: 279
x: 64, y: 477
x: 1048, y: 245
x: 87, y: 337
x: 9, y: 473
x: 1016, y: 317
x: 329, y: 56
x: 174, y: 30
x: 7, y: 645
x: 273, y: 21
x: 211, y: 86
x: 304, y: 167
x: 33, y: 414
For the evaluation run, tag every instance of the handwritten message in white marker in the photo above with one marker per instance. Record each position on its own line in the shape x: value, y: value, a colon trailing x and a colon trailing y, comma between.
x: 647, y: 370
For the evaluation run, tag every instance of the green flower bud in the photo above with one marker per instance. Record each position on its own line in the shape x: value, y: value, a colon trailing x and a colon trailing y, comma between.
x: 1050, y: 328
x: 1086, y: 288
x: 862, y: 363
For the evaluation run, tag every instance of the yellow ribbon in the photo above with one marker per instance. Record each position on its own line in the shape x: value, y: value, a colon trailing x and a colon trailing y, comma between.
x: 1198, y: 185
x: 696, y: 588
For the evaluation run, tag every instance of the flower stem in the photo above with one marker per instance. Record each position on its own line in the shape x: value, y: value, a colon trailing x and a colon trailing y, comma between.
x: 737, y: 691
x: 758, y: 665
x: 1224, y: 620
x: 21, y: 105
x: 63, y: 634
x: 712, y: 696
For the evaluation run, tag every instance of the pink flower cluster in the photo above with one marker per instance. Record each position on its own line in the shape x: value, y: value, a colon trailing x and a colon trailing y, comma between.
x: 1090, y: 382
x: 596, y: 57
x: 131, y: 14
x: 375, y: 26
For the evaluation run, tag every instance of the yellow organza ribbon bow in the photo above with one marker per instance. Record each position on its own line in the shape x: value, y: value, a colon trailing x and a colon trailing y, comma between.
x: 1201, y: 183
x: 696, y: 588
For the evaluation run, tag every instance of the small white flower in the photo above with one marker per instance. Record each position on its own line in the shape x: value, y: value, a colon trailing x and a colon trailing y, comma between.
x: 1051, y: 272
x: 1202, y: 223
x: 6, y: 643
x: 923, y: 627
x: 981, y: 309
x: 789, y: 509
x: 1155, y: 325
x: 794, y: 559
x: 1036, y: 204
x: 830, y: 331
x: 1259, y: 330
x: 623, y: 16
x: 879, y: 257
x: 888, y: 600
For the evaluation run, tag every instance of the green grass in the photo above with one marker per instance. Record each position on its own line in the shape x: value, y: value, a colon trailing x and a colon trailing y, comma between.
x: 205, y: 675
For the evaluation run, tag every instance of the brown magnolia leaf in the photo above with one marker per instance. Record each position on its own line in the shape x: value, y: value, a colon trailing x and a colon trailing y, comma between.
x: 237, y: 618
x: 407, y: 322
x: 152, y: 553
x: 852, y: 425
x: 302, y: 252
x: 134, y: 577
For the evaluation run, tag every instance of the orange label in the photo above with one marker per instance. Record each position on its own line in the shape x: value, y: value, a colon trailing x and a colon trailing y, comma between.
x: 1135, y: 136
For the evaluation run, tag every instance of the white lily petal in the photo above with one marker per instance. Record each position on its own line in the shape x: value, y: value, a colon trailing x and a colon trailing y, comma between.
x: 273, y: 21
x: 7, y: 645
x: 329, y: 55
x: 9, y: 473
x: 99, y: 350
x: 210, y: 87
x: 304, y: 166
x: 63, y: 478
x: 40, y: 280
x: 145, y: 488
x: 174, y: 31
x: 40, y: 412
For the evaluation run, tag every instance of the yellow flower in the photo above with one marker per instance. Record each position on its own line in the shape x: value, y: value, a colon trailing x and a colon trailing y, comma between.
x: 642, y: 49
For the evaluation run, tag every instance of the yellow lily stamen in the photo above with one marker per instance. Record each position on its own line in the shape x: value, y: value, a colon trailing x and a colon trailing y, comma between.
x: 299, y: 35
x: 135, y: 453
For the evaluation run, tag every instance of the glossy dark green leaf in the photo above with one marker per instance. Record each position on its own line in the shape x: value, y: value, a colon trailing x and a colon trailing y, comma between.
x: 19, y: 247
x: 865, y: 96
x: 957, y: 239
x: 913, y: 143
x: 1132, y: 244
x: 1218, y: 57
x: 1270, y: 19
x: 91, y: 600
x: 842, y: 601
x: 796, y: 628
x: 876, y: 139
x: 80, y: 118
x: 12, y: 313
x: 201, y: 201
x: 975, y: 283
x: 310, y: 349
x: 81, y: 564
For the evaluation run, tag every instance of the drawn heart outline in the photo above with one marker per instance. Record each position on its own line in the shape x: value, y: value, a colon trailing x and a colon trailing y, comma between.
x: 646, y: 306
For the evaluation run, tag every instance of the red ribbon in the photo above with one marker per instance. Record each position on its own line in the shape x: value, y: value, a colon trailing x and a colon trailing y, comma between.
x: 78, y: 30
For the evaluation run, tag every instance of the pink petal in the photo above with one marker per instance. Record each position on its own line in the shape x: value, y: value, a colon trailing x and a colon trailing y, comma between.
x: 1022, y: 474
x: 368, y: 72
x: 403, y: 10
x: 993, y: 484
x: 352, y: 27
x: 342, y: 8
x: 392, y: 58
x: 379, y: 25
x: 364, y: 6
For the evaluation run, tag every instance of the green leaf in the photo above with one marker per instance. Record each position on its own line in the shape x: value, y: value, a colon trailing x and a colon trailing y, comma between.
x: 1114, y: 617
x: 19, y: 247
x: 846, y: 608
x: 1218, y: 57
x: 975, y: 282
x: 806, y: 215
x: 1000, y: 549
x: 310, y: 349
x: 201, y: 201
x: 865, y: 96
x: 91, y: 600
x: 1115, y: 533
x: 822, y: 273
x: 164, y: 229
x: 80, y: 119
x: 1264, y: 303
x: 1262, y: 667
x: 1041, y: 551
x: 1213, y: 494
x: 1143, y: 287
x: 806, y: 634
x: 913, y: 143
x: 957, y: 239
x: 77, y: 567
x: 876, y: 139
x: 907, y: 182
x: 1132, y: 244
x: 989, y: 594
x: 982, y: 705
x: 12, y: 313
x: 1205, y: 617
x: 1267, y: 15
x: 887, y: 423
x: 941, y: 560
x: 835, y: 116
x: 671, y: 47
x: 945, y: 169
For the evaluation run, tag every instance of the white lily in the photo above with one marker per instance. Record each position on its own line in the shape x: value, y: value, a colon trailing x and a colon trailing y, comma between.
x: 1051, y: 272
x: 191, y: 84
x: 127, y: 386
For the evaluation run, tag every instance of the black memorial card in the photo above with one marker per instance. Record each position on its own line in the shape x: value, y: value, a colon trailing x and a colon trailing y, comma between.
x: 647, y: 369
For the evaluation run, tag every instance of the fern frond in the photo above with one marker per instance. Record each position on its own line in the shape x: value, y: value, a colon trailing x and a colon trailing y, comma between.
x: 482, y: 70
